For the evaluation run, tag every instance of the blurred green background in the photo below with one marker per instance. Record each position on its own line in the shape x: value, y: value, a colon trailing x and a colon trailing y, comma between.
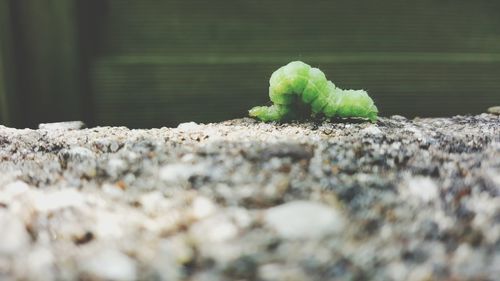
x: 154, y: 63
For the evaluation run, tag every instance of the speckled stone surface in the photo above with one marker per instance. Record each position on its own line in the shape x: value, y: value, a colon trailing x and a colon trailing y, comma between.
x: 243, y: 200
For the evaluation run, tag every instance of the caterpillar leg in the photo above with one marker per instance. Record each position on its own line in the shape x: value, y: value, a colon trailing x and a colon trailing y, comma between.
x: 274, y: 112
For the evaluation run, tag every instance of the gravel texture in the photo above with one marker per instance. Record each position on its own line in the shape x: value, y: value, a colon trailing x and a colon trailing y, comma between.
x: 243, y: 200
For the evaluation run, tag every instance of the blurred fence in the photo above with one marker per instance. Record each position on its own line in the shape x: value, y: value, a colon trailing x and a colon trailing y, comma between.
x: 156, y: 63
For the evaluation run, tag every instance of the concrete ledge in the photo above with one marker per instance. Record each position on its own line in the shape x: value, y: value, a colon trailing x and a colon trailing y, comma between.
x: 243, y: 200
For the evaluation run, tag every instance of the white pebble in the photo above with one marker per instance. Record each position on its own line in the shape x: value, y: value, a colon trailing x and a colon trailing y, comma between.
x: 154, y: 203
x: 188, y: 126
x: 179, y: 173
x: 494, y: 267
x: 80, y: 153
x: 109, y: 225
x: 171, y: 253
x: 40, y: 264
x: 110, y: 265
x: 203, y: 207
x: 420, y: 273
x: 423, y: 188
x: 80, y: 159
x: 13, y: 234
x: 112, y: 190
x: 116, y: 167
x: 58, y: 200
x: 304, y: 219
x: 397, y: 271
x: 218, y: 228
x: 12, y: 190
x: 466, y: 261
x: 371, y: 130
x: 62, y: 126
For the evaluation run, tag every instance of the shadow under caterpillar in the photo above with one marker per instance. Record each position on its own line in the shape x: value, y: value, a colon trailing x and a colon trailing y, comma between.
x: 298, y: 80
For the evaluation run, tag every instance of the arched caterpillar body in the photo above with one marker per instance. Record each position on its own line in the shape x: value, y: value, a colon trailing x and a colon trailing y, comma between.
x: 300, y: 80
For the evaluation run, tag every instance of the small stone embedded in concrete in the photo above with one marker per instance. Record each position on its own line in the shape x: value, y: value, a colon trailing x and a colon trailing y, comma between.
x: 12, y: 190
x: 303, y: 219
x: 217, y: 228
x: 203, y: 207
x: 421, y: 273
x: 180, y: 173
x: 493, y: 268
x: 62, y: 126
x: 399, y: 118
x: 494, y: 110
x: 274, y: 271
x: 172, y: 255
x: 40, y: 264
x: 79, y: 160
x: 13, y: 235
x: 423, y: 188
x: 112, y: 190
x: 67, y: 198
x: 110, y: 265
x: 293, y: 150
x: 189, y: 126
x: 116, y: 167
x: 372, y: 130
x: 463, y: 261
x: 108, y: 145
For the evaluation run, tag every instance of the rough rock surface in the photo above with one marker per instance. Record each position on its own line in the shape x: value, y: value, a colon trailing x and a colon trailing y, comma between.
x: 243, y: 200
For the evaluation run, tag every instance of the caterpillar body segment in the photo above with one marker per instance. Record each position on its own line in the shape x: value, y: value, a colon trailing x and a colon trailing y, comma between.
x: 356, y: 103
x: 288, y: 81
x: 324, y: 98
x: 299, y: 81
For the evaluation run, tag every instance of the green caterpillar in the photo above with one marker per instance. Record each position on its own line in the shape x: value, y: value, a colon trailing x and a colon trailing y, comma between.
x: 299, y: 80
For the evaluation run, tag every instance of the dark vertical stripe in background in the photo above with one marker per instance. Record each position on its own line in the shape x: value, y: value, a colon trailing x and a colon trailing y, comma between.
x: 43, y: 62
x: 6, y: 87
x: 156, y: 63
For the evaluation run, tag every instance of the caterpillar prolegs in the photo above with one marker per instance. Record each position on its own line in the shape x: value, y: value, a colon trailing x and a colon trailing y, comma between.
x: 298, y: 80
